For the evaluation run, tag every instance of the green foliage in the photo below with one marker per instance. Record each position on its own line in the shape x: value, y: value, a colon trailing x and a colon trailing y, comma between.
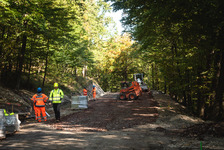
x: 61, y: 37
x: 178, y: 44
x: 181, y: 40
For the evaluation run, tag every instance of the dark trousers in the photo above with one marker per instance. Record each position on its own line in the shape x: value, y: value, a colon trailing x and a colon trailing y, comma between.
x: 56, y: 107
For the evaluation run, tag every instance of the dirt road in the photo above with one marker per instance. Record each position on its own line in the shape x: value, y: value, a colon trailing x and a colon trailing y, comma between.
x: 148, y: 123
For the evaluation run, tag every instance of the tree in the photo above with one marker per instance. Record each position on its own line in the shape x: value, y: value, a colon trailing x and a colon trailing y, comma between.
x: 187, y: 35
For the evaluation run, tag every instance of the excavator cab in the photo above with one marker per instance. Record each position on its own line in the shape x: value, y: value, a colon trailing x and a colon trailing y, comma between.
x: 139, y: 78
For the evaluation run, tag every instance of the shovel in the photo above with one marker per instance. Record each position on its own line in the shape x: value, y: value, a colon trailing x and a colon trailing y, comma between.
x: 47, y: 114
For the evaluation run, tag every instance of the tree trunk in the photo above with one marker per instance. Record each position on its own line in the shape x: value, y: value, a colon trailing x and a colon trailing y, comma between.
x: 200, y: 97
x: 46, y: 63
x: 75, y: 71
x: 84, y: 70
x: 1, y: 47
x: 185, y: 98
x: 188, y: 90
x: 165, y: 87
x: 220, y: 86
x: 156, y: 78
x: 21, y: 59
x: 220, y: 76
x: 213, y: 105
x: 30, y: 65
x: 153, y: 76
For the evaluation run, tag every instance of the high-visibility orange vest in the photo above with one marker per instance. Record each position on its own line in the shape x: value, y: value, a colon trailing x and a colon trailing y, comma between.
x: 94, y: 92
x: 39, y: 99
x: 85, y: 92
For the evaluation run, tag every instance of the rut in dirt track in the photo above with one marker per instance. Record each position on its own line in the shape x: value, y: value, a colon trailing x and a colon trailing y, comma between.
x: 108, y: 113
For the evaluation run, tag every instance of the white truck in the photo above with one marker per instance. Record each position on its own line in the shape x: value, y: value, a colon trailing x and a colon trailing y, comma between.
x: 139, y: 78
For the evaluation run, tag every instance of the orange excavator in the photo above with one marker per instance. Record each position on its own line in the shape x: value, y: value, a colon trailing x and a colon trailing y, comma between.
x: 130, y: 92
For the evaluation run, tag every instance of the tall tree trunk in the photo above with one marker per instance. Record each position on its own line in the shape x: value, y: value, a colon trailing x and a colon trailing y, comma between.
x: 200, y: 97
x: 220, y: 86
x: 173, y: 80
x: 1, y: 47
x: 21, y: 58
x: 156, y: 78
x: 153, y: 77
x: 185, y: 98
x: 165, y: 86
x: 30, y: 65
x: 75, y: 71
x: 84, y: 71
x: 220, y: 76
x: 46, y: 63
x: 213, y: 104
x: 188, y: 90
x: 30, y: 62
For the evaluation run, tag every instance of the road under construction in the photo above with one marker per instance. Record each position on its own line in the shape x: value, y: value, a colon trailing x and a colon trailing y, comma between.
x: 155, y: 122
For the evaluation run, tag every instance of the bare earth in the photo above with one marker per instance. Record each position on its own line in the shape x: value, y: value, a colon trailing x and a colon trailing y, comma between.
x: 148, y: 123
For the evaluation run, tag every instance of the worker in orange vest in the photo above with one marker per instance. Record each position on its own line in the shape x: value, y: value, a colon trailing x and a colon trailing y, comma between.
x: 94, y: 92
x: 39, y: 100
x: 85, y: 91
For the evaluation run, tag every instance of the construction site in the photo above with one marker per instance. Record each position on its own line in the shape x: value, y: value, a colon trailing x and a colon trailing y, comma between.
x: 111, y: 75
x: 153, y: 121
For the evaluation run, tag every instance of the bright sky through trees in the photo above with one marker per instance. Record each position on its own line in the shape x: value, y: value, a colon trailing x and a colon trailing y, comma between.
x: 116, y: 16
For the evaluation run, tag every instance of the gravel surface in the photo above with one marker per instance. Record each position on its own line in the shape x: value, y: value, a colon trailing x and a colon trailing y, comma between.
x: 108, y: 113
x: 156, y: 123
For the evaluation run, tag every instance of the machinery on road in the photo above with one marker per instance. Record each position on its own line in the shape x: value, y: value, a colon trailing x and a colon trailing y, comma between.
x: 130, y: 92
x: 138, y: 77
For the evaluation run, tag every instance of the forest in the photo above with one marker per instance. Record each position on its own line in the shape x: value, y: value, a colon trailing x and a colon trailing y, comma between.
x: 177, y: 44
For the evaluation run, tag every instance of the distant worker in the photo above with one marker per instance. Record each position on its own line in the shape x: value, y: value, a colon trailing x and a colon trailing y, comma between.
x: 56, y: 97
x: 94, y: 92
x: 85, y: 91
x: 39, y: 100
